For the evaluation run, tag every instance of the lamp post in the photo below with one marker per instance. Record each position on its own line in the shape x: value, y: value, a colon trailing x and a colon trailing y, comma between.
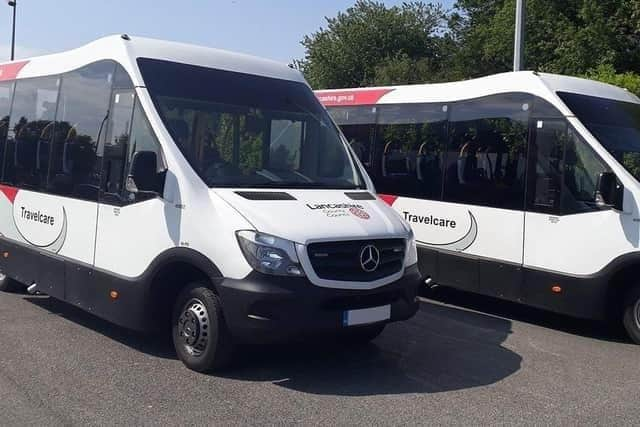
x: 12, y: 3
x: 518, y: 51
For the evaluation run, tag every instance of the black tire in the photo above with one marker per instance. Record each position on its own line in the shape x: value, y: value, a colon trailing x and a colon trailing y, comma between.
x: 631, y: 314
x: 200, y: 335
x: 360, y: 335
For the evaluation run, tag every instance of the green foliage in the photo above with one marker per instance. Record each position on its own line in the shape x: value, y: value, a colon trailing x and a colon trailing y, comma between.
x: 371, y: 44
x: 562, y: 36
x: 357, y: 42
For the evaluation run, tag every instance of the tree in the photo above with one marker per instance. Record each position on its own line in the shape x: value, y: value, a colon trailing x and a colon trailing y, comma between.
x: 562, y: 36
x: 371, y: 43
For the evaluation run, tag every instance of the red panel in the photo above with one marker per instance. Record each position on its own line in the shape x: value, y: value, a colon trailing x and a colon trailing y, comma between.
x: 10, y: 192
x: 10, y: 71
x: 388, y: 199
x: 351, y: 97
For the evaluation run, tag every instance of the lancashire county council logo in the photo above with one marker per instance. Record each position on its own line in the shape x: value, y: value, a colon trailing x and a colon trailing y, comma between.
x: 369, y: 258
x: 360, y: 213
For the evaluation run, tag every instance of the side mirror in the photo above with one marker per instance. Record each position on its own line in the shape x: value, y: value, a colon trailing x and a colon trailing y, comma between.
x: 609, y: 192
x: 143, y: 174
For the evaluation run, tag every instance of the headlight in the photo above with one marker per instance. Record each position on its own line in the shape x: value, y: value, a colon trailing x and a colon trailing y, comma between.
x: 411, y: 257
x: 269, y: 254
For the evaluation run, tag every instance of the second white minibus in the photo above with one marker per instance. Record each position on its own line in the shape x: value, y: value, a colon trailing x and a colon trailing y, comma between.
x: 523, y: 186
x: 154, y: 183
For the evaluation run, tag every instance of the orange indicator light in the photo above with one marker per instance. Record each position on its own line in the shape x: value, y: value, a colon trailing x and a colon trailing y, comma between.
x: 114, y: 295
x: 556, y: 289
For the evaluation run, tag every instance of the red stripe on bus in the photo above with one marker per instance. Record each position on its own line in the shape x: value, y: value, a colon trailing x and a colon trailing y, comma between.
x: 351, y: 97
x: 10, y: 192
x: 10, y: 71
x: 388, y: 199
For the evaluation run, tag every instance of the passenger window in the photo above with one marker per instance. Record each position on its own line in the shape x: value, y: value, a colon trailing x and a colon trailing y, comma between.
x: 121, y: 79
x: 6, y: 92
x: 545, y: 176
x: 142, y: 138
x: 410, y: 142
x: 81, y: 121
x: 358, y: 126
x: 564, y: 170
x: 582, y: 169
x: 486, y: 155
x: 31, y: 128
x: 114, y: 154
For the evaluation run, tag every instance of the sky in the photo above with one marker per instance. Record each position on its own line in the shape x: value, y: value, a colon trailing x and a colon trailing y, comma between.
x: 268, y: 28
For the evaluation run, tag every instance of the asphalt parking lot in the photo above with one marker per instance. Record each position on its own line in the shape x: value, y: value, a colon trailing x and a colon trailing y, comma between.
x: 462, y: 360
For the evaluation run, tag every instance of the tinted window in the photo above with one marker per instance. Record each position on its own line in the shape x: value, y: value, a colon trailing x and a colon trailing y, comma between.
x: 121, y: 79
x: 142, y: 138
x: 6, y: 91
x: 116, y: 142
x: 250, y: 131
x: 564, y: 170
x: 30, y: 131
x: 487, y: 149
x: 410, y: 141
x: 358, y: 125
x: 80, y: 121
x: 615, y: 124
x: 545, y: 172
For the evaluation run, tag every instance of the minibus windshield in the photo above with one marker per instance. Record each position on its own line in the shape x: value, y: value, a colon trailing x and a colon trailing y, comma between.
x: 242, y: 130
x: 615, y: 124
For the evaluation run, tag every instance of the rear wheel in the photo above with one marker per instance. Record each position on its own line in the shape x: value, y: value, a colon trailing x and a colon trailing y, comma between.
x: 361, y: 334
x: 200, y: 335
x: 631, y: 316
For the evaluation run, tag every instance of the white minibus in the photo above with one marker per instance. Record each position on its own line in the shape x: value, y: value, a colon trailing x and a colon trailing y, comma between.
x: 522, y: 186
x: 160, y: 184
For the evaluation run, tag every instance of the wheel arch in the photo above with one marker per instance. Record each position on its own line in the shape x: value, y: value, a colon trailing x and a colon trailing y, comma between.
x: 623, y: 275
x: 169, y: 274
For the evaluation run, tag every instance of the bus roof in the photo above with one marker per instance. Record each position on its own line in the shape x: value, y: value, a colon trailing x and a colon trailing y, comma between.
x: 539, y: 84
x: 126, y: 50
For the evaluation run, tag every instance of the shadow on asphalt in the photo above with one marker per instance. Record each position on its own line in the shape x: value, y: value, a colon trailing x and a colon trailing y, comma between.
x: 441, y: 349
x: 154, y: 345
x: 513, y: 311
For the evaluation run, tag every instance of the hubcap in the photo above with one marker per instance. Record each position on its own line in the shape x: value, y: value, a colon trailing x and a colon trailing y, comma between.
x: 193, y: 327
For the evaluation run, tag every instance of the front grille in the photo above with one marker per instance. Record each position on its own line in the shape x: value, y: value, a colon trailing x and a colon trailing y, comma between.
x: 341, y: 260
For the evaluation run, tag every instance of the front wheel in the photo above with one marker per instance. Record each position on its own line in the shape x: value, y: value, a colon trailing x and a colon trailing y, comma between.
x: 200, y: 335
x: 631, y: 316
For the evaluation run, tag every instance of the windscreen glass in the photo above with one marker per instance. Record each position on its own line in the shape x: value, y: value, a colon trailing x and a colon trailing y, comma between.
x: 615, y: 124
x: 241, y: 130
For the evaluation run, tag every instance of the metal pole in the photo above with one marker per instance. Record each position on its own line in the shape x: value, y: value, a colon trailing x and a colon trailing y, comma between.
x: 13, y: 29
x: 518, y: 51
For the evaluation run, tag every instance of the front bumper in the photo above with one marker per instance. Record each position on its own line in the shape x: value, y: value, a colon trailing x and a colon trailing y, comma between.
x: 262, y: 308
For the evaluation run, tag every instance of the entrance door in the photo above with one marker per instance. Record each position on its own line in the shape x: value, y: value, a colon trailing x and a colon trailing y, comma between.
x: 566, y: 233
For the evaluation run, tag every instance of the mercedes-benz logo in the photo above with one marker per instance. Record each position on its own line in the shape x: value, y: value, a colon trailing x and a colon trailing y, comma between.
x: 369, y: 258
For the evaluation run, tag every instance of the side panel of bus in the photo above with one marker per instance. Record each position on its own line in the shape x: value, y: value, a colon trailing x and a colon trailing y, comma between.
x: 479, y: 180
x: 66, y: 144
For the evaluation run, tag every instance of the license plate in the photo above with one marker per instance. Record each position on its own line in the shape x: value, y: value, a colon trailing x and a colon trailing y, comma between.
x: 366, y: 315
